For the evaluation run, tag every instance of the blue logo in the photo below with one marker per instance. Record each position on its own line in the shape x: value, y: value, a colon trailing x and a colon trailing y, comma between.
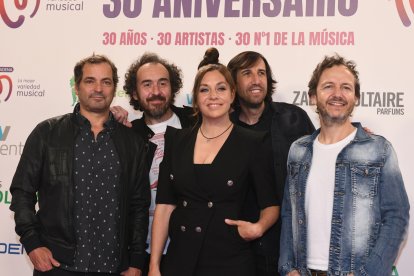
x: 4, y: 132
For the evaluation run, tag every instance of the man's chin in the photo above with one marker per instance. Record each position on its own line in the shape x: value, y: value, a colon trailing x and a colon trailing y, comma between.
x: 98, y: 110
x: 157, y: 113
x: 253, y: 104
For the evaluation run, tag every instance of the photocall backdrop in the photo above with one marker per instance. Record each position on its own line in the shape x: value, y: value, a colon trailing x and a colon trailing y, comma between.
x: 41, y: 40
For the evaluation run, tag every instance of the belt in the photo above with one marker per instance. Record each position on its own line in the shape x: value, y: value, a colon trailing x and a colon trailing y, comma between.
x: 318, y: 272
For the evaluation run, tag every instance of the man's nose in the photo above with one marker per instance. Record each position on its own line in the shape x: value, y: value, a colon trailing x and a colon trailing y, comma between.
x: 256, y: 78
x: 98, y: 86
x: 156, y: 89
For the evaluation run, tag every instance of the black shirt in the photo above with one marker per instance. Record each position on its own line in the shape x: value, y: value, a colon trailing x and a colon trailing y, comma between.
x: 96, y: 207
x: 263, y: 124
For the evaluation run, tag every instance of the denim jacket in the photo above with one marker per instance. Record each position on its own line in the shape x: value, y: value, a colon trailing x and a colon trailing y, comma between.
x: 370, y: 208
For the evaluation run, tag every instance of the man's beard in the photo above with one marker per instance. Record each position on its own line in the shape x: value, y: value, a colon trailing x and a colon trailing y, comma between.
x: 159, y: 110
x: 249, y: 104
x: 337, y: 120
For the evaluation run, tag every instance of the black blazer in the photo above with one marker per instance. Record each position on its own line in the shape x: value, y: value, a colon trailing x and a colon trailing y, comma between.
x: 197, y: 224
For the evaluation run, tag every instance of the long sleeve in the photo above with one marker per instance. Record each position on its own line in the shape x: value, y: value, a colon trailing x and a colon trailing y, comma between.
x: 287, y: 257
x: 25, y: 185
x: 394, y: 208
x: 138, y: 212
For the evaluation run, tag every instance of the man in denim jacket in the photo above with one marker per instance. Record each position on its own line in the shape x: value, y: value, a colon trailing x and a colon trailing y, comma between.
x: 345, y: 208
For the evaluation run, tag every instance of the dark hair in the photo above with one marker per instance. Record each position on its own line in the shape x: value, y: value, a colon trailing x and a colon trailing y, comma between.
x: 211, y: 56
x: 94, y: 59
x: 247, y: 59
x: 210, y: 63
x: 329, y: 62
x: 130, y: 85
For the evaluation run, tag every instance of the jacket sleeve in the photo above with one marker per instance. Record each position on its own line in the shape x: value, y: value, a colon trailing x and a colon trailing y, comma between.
x: 262, y: 173
x: 138, y: 210
x: 394, y: 208
x: 165, y: 189
x: 25, y: 185
x: 286, y: 258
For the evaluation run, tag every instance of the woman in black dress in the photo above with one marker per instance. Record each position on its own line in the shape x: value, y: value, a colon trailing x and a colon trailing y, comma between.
x: 202, y: 186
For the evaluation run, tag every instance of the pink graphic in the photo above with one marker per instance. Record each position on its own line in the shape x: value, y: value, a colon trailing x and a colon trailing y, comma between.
x: 20, y: 6
x: 403, y: 13
x: 154, y: 185
x: 10, y: 86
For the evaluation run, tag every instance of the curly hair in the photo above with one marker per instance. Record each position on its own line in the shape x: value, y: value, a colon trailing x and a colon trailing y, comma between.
x: 130, y: 85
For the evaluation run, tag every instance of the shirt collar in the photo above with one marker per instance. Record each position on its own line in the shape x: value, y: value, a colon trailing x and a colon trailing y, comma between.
x: 84, y: 123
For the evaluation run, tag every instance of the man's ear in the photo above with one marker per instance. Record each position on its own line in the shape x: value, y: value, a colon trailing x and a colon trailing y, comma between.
x: 312, y: 100
x: 135, y: 95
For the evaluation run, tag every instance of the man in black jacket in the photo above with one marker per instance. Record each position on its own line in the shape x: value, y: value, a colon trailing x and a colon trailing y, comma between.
x: 89, y: 176
x: 152, y: 83
x: 254, y: 109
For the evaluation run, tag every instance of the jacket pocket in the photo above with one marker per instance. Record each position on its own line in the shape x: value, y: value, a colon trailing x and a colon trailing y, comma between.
x: 293, y: 175
x: 365, y: 180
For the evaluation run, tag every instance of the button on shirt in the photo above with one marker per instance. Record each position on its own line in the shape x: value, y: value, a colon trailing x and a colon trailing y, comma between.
x: 96, y: 206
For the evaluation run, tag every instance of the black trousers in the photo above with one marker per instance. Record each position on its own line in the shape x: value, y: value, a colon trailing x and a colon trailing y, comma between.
x: 62, y: 272
x: 266, y: 265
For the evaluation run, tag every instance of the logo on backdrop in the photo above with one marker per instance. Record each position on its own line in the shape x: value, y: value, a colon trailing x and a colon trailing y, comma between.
x: 11, y: 248
x: 64, y: 5
x: 29, y: 88
x: 5, y: 196
x: 6, y: 86
x: 168, y: 9
x: 394, y: 271
x: 9, y: 149
x: 4, y: 131
x: 402, y: 11
x: 19, y: 6
x: 384, y: 103
x: 73, y: 91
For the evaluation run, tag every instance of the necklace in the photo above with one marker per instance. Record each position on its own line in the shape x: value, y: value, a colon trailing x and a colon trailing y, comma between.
x: 211, y: 138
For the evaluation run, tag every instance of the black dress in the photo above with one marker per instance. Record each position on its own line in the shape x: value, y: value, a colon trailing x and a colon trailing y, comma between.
x: 201, y: 243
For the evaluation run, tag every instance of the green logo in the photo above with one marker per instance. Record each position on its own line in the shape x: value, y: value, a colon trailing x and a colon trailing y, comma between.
x: 5, y: 197
x: 72, y: 87
x: 394, y: 271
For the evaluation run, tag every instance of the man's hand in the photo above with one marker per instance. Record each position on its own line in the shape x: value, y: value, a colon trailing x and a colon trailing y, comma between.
x: 132, y: 271
x: 293, y: 273
x: 121, y: 115
x: 247, y: 230
x: 42, y: 259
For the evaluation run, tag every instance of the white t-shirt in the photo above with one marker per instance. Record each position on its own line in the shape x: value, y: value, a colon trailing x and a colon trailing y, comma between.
x: 319, y: 201
x: 158, y: 139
